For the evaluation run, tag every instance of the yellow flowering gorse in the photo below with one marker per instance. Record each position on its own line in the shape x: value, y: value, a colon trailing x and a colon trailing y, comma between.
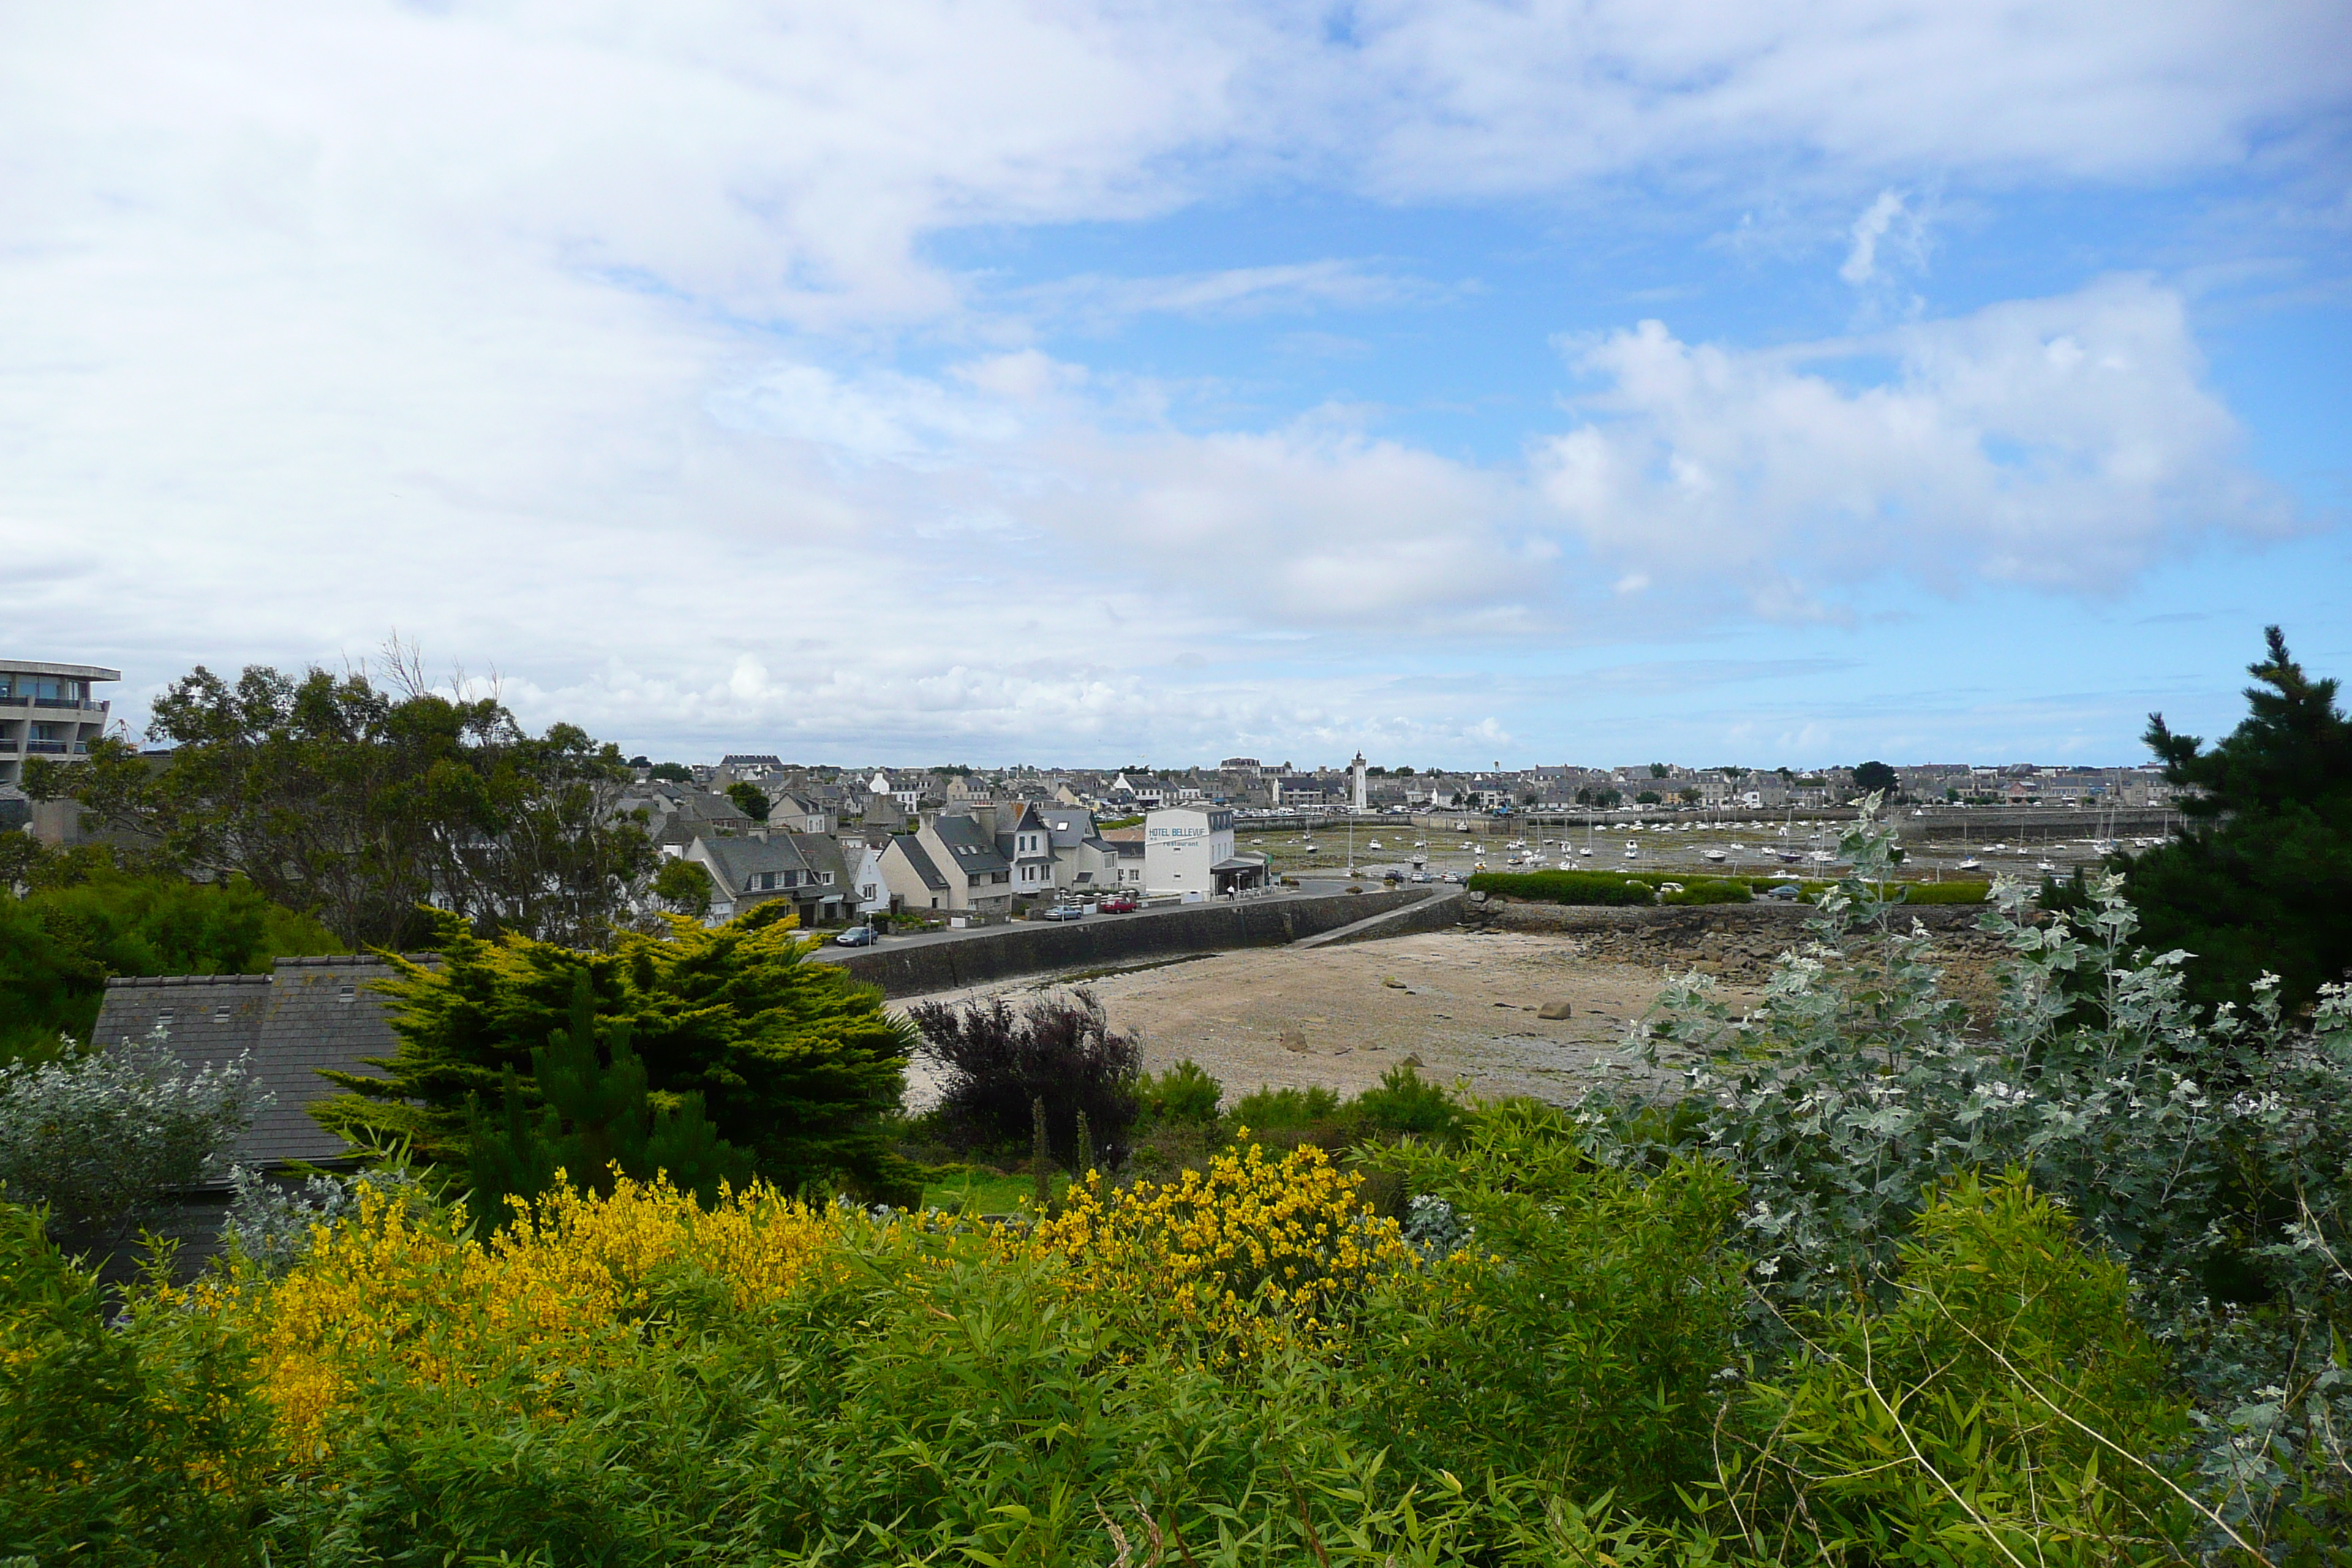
x: 1258, y: 1252
x: 567, y: 1285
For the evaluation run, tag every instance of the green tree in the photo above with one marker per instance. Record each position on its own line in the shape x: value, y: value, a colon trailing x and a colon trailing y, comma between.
x: 358, y: 805
x: 1647, y: 798
x: 795, y: 1062
x: 597, y: 1118
x: 2260, y: 877
x: 1877, y: 776
x: 683, y: 887
x: 748, y: 800
x: 671, y: 773
x: 60, y: 941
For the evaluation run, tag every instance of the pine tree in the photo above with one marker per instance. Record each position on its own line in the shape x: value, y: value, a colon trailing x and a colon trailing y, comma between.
x: 597, y: 1123
x: 2261, y: 876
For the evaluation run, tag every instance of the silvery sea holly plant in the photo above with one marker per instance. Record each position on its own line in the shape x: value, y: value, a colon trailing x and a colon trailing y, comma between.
x: 2208, y: 1152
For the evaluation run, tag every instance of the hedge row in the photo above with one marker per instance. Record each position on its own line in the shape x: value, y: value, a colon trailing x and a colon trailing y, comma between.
x: 1590, y: 888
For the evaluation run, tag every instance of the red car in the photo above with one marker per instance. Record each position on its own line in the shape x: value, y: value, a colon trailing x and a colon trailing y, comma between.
x: 1116, y: 904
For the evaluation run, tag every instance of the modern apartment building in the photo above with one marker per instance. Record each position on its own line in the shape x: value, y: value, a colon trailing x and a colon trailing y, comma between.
x: 47, y: 710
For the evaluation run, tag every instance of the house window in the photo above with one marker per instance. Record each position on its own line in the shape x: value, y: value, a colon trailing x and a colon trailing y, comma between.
x: 220, y: 1014
x: 347, y: 992
x: 165, y: 1015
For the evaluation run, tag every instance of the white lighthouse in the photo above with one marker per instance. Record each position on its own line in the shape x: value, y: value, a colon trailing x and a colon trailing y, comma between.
x: 1361, y: 795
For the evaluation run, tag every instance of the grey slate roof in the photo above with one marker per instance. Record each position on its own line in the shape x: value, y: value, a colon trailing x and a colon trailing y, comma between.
x: 735, y: 861
x: 1067, y: 826
x: 309, y: 1014
x: 824, y: 853
x: 975, y: 852
x: 919, y: 859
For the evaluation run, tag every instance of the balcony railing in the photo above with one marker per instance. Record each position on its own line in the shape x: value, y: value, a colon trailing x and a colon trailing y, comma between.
x: 50, y: 747
x: 71, y: 704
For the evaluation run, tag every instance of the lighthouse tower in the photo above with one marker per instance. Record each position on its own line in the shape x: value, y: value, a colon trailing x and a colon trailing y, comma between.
x: 1360, y: 796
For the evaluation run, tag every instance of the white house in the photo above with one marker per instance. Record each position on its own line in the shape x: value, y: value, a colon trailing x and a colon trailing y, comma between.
x: 1189, y: 849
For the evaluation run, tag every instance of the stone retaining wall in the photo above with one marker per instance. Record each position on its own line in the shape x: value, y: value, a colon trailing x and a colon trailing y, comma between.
x: 1107, y: 940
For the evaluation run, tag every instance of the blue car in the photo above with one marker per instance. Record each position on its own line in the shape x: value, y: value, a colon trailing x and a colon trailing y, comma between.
x: 857, y: 936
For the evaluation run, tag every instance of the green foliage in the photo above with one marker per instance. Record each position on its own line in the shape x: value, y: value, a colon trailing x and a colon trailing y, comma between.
x: 1853, y: 1091
x: 98, y: 1137
x: 358, y: 807
x: 1405, y: 1104
x: 1563, y: 886
x: 1648, y: 797
x: 597, y: 1120
x: 2259, y: 879
x: 1597, y: 1307
x: 683, y: 887
x: 796, y: 1063
x: 748, y: 800
x: 670, y: 773
x: 1876, y: 778
x: 1185, y: 1092
x: 2007, y: 1401
x: 126, y: 1448
x: 58, y: 945
x: 1710, y: 891
x: 1270, y: 1110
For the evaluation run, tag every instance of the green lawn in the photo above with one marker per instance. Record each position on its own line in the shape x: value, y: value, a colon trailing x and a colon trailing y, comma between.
x: 984, y: 1192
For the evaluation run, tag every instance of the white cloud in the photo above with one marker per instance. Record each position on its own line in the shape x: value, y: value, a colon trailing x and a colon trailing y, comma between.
x: 2059, y: 443
x: 1552, y: 92
x: 1870, y: 231
x: 545, y: 331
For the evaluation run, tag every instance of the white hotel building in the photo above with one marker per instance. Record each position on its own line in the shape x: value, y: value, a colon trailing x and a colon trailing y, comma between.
x: 1188, y: 850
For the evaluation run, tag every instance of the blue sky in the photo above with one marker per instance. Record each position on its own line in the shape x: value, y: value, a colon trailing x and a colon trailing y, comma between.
x: 1464, y: 383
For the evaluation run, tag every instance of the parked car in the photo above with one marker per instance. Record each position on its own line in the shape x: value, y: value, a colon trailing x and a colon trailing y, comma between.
x: 857, y: 936
x: 1419, y: 877
x: 1117, y: 904
x: 1785, y: 892
x: 1062, y: 912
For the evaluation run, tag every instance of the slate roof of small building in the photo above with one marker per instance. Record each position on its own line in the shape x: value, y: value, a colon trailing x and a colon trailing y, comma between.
x: 974, y: 851
x: 737, y: 861
x: 307, y: 1013
x: 1068, y: 828
x: 919, y: 859
x: 824, y: 853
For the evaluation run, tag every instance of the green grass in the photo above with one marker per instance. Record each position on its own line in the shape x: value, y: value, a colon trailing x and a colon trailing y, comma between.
x: 976, y: 1192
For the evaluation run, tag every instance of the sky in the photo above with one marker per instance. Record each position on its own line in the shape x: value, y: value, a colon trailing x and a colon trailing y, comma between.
x: 1469, y: 383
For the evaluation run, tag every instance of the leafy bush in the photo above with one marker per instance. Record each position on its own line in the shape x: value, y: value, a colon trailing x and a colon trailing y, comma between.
x: 996, y: 1062
x: 1591, y: 1313
x: 2203, y: 1151
x: 272, y: 1225
x: 97, y: 1138
x: 796, y: 1061
x: 1185, y: 1092
x: 1271, y: 1110
x: 2006, y: 1401
x: 139, y: 1447
x: 59, y: 943
x: 1563, y: 886
x: 1710, y: 891
x: 1405, y: 1104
